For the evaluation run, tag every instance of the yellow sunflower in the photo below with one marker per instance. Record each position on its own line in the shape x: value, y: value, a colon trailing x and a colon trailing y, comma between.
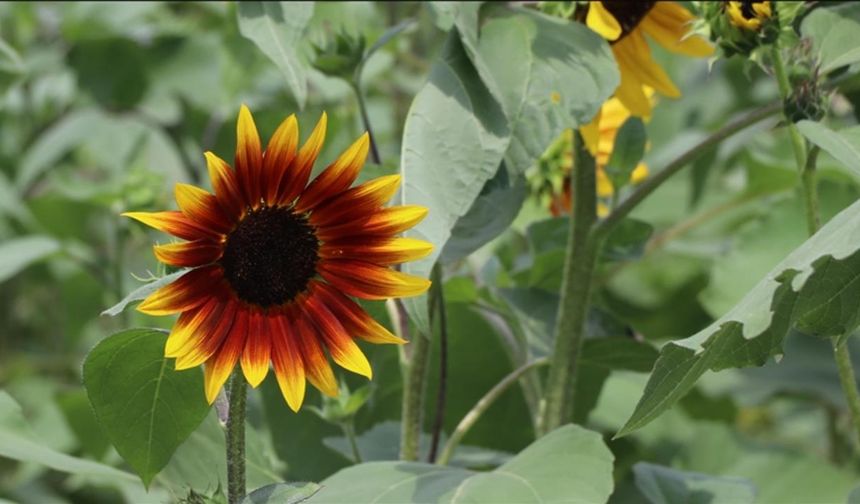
x: 748, y: 15
x: 275, y: 260
x: 624, y: 24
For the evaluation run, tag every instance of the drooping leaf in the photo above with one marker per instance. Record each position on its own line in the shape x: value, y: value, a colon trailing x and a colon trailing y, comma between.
x: 282, y: 493
x: 18, y: 442
x: 664, y: 485
x: 276, y: 28
x: 146, y: 407
x: 814, y: 290
x: 18, y: 253
x: 844, y: 145
x: 569, y: 464
x: 142, y: 292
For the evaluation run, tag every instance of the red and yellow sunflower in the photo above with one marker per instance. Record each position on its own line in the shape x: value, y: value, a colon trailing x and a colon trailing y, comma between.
x: 275, y: 261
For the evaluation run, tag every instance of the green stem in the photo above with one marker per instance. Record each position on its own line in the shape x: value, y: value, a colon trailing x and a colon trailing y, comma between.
x: 414, y: 386
x: 482, y: 405
x: 798, y: 145
x: 236, y: 438
x: 810, y: 191
x: 849, y: 382
x: 579, y: 263
x: 439, y: 312
x: 653, y: 182
x: 349, y: 432
x: 365, y: 117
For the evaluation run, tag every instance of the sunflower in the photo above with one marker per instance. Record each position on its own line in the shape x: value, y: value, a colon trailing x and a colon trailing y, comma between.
x: 599, y: 138
x: 748, y: 15
x: 624, y: 24
x: 275, y: 262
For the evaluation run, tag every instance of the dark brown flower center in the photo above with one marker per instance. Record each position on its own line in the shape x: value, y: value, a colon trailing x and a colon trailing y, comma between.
x: 271, y: 256
x: 628, y: 14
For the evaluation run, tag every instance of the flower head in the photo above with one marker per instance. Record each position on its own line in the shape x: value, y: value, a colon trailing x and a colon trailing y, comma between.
x: 275, y: 260
x: 624, y: 25
x: 748, y: 15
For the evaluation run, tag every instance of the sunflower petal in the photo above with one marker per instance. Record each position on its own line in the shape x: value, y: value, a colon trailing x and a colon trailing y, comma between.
x: 669, y: 24
x: 296, y: 178
x: 279, y: 154
x: 175, y: 223
x: 191, y: 325
x: 602, y: 21
x: 637, y: 57
x: 317, y: 368
x: 337, y: 177
x: 221, y: 363
x: 352, y: 316
x: 359, y: 200
x: 340, y: 345
x: 287, y: 361
x: 385, y: 221
x: 226, y: 186
x: 201, y: 207
x: 188, y: 291
x: 201, y: 346
x: 249, y: 157
x: 255, y: 357
x: 188, y: 254
x: 369, y: 281
x: 382, y: 251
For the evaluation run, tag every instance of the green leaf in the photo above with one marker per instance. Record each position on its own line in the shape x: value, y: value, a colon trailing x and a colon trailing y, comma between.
x: 543, y: 472
x: 834, y: 35
x: 844, y: 145
x: 814, y: 290
x: 276, y: 28
x: 142, y: 292
x: 664, y: 485
x: 146, y: 408
x: 282, y: 493
x: 627, y: 151
x: 18, y: 253
x: 18, y: 442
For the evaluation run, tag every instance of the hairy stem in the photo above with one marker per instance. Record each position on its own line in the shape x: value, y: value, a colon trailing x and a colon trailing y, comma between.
x: 580, y: 259
x: 236, y: 438
x: 482, y: 405
x: 414, y: 385
x: 442, y: 390
x: 849, y: 382
x: 652, y: 183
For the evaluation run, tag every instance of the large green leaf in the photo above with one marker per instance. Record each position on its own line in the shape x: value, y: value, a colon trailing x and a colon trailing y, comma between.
x: 844, y: 145
x: 814, y: 290
x: 282, y: 493
x: 18, y: 442
x: 18, y: 253
x: 276, y: 28
x: 664, y: 485
x: 834, y: 35
x: 146, y: 408
x: 570, y: 464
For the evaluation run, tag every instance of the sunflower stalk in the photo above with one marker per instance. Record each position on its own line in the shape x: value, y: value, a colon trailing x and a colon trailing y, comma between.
x: 438, y: 307
x: 580, y: 259
x: 414, y: 386
x: 365, y: 118
x: 236, y: 438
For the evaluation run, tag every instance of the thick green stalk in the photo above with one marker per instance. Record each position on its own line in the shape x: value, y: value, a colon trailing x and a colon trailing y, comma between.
x: 236, y: 438
x: 810, y: 191
x: 849, y: 382
x: 482, y: 405
x: 579, y: 262
x: 414, y: 385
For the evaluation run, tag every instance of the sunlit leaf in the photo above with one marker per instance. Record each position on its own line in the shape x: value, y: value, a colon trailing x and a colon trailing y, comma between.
x: 844, y: 145
x: 834, y: 35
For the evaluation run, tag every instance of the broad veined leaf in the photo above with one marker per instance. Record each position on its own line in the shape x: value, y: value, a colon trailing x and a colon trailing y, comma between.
x: 664, y: 485
x: 142, y: 292
x: 814, y: 290
x: 18, y: 253
x: 834, y: 35
x: 18, y: 442
x: 276, y: 28
x: 844, y: 145
x: 282, y: 493
x: 571, y: 464
x: 146, y: 407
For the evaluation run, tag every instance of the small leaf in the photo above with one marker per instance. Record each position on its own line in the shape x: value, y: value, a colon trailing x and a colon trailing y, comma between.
x: 282, y: 493
x: 146, y: 408
x: 571, y: 464
x: 18, y: 253
x: 844, y: 145
x: 276, y: 28
x: 664, y: 485
x: 628, y: 149
x: 142, y: 292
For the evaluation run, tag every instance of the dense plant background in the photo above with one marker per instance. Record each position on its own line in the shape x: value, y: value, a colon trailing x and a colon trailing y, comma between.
x: 103, y: 107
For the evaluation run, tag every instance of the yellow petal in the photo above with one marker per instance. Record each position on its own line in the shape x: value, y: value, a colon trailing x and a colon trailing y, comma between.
x: 602, y: 21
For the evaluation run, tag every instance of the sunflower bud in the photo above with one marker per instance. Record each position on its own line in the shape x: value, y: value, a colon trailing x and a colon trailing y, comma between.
x: 807, y: 99
x: 741, y: 27
x: 340, y: 58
